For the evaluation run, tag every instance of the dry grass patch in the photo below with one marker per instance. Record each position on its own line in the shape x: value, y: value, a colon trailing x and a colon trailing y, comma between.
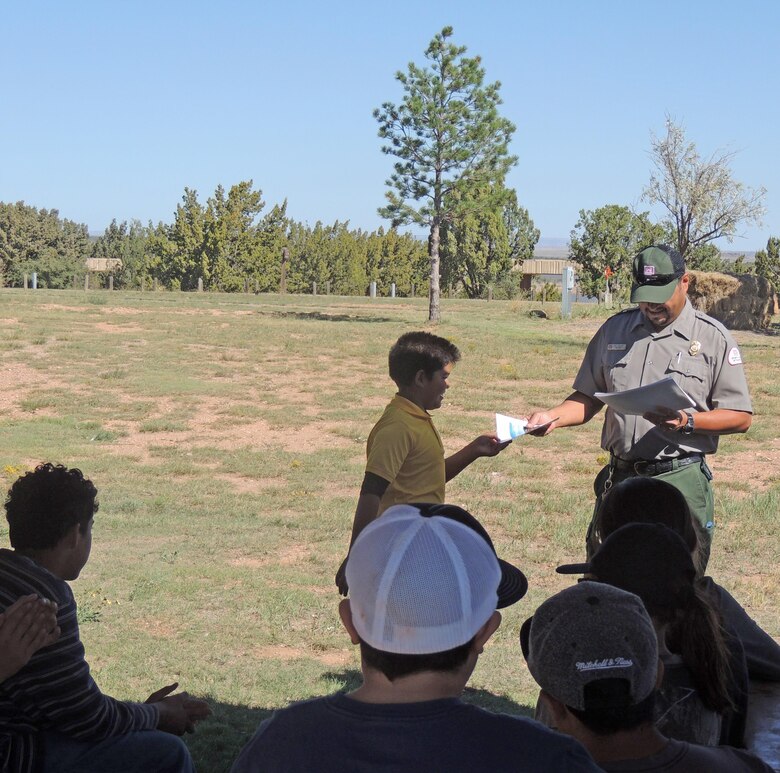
x: 284, y: 653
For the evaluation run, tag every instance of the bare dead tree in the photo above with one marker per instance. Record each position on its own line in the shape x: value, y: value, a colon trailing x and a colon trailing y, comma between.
x: 704, y: 201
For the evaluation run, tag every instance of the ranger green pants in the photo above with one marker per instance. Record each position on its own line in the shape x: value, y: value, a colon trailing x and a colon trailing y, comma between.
x: 692, y: 480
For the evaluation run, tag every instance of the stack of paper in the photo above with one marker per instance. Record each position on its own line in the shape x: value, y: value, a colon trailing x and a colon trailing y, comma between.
x: 661, y: 396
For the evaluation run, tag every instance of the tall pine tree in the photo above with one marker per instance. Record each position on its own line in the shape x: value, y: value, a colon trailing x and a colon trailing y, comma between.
x: 448, y: 137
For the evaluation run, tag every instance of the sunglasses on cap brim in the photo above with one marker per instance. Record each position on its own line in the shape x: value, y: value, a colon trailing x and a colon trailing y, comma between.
x: 658, y: 279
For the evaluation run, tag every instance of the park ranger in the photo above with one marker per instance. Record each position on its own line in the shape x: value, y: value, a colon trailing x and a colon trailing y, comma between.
x: 664, y: 336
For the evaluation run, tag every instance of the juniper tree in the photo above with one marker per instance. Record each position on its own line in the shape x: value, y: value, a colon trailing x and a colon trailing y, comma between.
x: 604, y: 242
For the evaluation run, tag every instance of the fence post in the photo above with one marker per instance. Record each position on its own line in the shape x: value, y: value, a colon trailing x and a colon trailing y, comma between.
x: 154, y: 284
x: 200, y: 284
x: 75, y: 282
x: 34, y: 280
x: 86, y: 281
x: 257, y: 286
x: 25, y: 282
x: 111, y: 282
x: 567, y: 285
x: 283, y: 278
x: 313, y: 288
x: 411, y: 295
x: 392, y: 290
x: 327, y: 287
x: 372, y: 290
x: 246, y: 284
x: 490, y: 292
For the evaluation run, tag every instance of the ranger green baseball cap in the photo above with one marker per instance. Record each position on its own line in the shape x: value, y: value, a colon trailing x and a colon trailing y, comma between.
x: 656, y: 272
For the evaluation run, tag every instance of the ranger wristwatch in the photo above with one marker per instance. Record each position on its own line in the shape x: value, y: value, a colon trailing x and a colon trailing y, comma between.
x: 687, y: 428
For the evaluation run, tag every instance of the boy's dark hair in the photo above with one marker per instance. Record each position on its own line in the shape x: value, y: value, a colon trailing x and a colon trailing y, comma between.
x: 417, y: 351
x: 43, y: 505
x: 394, y: 666
x: 608, y: 707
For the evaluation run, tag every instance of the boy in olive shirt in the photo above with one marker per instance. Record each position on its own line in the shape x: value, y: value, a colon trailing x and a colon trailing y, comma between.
x: 405, y: 455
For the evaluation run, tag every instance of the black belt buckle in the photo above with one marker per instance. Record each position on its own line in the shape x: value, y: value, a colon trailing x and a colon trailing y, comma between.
x: 653, y: 468
x: 644, y: 468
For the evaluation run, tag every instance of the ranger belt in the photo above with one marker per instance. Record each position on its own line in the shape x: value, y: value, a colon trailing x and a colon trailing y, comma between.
x: 653, y: 466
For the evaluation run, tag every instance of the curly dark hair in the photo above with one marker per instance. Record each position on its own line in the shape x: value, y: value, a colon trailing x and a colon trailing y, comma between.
x: 43, y: 505
x: 417, y: 351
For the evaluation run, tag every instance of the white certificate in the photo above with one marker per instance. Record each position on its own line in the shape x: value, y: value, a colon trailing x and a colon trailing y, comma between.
x: 508, y: 428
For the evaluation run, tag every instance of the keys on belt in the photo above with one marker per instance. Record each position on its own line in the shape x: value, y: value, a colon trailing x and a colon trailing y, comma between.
x: 653, y: 467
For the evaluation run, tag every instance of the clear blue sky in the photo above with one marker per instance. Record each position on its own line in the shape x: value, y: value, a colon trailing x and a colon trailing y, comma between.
x: 108, y: 109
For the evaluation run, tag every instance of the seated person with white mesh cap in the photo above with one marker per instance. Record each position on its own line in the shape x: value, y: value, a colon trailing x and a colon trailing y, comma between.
x: 425, y: 584
x: 593, y: 650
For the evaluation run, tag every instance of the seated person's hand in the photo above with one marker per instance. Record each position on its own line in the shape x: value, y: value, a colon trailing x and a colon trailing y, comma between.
x: 29, y: 624
x: 341, y: 578
x: 178, y: 713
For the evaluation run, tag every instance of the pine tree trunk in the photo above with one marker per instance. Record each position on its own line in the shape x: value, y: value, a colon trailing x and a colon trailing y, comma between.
x: 434, y: 312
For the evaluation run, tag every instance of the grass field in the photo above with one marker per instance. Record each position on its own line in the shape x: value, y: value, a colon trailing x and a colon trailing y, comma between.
x: 226, y: 435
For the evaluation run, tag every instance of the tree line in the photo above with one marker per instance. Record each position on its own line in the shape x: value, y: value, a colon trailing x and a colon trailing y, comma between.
x: 227, y: 242
x: 230, y: 244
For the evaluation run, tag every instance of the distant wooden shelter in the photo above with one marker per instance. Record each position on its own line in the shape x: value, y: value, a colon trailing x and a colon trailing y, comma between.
x: 103, y: 264
x: 547, y: 267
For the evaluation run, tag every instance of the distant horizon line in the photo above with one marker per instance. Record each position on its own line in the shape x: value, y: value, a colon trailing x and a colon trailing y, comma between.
x: 557, y: 247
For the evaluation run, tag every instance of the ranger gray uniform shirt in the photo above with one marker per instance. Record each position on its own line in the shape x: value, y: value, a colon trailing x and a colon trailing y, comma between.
x: 695, y: 350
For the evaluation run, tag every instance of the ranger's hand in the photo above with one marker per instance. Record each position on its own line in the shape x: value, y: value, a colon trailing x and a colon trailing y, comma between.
x: 540, y: 424
x: 672, y: 421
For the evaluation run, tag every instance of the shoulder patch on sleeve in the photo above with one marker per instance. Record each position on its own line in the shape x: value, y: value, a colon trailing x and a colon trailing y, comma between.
x: 734, y: 357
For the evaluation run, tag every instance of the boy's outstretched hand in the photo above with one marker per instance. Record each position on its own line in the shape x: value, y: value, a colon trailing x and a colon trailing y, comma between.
x: 178, y: 713
x: 489, y: 444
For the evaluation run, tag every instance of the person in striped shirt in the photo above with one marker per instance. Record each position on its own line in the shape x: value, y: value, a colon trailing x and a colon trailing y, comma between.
x: 53, y: 716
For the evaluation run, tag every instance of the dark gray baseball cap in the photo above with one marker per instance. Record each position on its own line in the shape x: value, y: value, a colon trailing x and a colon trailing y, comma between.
x: 588, y: 632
